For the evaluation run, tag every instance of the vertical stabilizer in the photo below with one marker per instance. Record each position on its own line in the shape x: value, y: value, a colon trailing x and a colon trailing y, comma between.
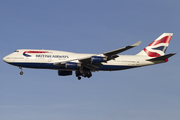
x: 157, y: 47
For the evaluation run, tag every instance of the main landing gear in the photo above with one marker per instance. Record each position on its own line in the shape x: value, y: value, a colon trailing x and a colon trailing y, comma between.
x: 21, y: 73
x: 87, y: 74
x: 79, y: 78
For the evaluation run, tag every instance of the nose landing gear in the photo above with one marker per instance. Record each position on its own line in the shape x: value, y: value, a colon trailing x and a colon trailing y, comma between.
x: 21, y: 73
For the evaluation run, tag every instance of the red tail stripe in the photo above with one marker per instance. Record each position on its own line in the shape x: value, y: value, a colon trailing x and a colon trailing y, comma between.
x: 151, y: 54
x: 165, y: 39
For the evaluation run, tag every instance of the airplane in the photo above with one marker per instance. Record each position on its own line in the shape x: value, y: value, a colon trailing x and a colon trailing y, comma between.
x: 85, y: 64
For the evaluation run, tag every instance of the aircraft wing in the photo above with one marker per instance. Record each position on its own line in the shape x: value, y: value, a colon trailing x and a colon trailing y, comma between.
x: 114, y: 53
x: 94, y: 62
x: 111, y: 54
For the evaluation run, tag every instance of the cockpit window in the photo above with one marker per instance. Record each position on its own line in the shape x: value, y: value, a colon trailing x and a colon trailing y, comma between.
x: 16, y: 51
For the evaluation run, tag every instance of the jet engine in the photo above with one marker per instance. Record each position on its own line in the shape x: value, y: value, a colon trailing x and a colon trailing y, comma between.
x: 72, y: 65
x: 97, y: 59
x: 64, y: 73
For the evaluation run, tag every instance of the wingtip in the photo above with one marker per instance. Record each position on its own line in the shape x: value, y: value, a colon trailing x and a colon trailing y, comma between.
x: 136, y: 44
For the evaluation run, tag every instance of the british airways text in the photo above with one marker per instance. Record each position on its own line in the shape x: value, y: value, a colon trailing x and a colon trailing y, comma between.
x: 52, y: 56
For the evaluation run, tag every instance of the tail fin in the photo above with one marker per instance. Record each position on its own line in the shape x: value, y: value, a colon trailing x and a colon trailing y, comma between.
x: 157, y: 47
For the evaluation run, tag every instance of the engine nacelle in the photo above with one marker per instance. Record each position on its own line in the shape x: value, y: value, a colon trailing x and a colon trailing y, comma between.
x: 64, y: 73
x: 72, y: 65
x: 97, y: 59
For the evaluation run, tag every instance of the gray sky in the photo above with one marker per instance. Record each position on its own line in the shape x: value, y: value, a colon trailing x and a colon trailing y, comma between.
x: 93, y: 26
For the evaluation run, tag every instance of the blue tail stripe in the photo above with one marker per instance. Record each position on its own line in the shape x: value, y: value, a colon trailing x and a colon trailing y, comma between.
x: 162, y: 48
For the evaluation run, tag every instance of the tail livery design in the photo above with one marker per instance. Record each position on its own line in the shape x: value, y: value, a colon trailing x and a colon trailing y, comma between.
x: 158, y: 47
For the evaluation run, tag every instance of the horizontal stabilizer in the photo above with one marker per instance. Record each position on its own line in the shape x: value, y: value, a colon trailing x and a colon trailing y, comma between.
x: 162, y: 57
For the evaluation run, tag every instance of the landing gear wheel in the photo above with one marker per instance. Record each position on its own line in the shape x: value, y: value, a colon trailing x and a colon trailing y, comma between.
x: 79, y: 78
x: 21, y: 73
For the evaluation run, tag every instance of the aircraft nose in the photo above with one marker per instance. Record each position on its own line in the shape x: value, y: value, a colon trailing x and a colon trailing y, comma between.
x: 4, y: 59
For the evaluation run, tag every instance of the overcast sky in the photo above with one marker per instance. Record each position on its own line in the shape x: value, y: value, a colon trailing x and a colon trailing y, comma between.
x: 89, y: 26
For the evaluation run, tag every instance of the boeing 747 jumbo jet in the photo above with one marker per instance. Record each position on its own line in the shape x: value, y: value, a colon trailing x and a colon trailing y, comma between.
x: 84, y: 64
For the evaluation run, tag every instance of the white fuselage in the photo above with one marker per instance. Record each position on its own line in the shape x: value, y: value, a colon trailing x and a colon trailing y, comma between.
x: 46, y: 59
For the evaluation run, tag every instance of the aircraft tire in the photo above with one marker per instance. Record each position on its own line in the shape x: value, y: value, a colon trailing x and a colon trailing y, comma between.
x: 21, y: 73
